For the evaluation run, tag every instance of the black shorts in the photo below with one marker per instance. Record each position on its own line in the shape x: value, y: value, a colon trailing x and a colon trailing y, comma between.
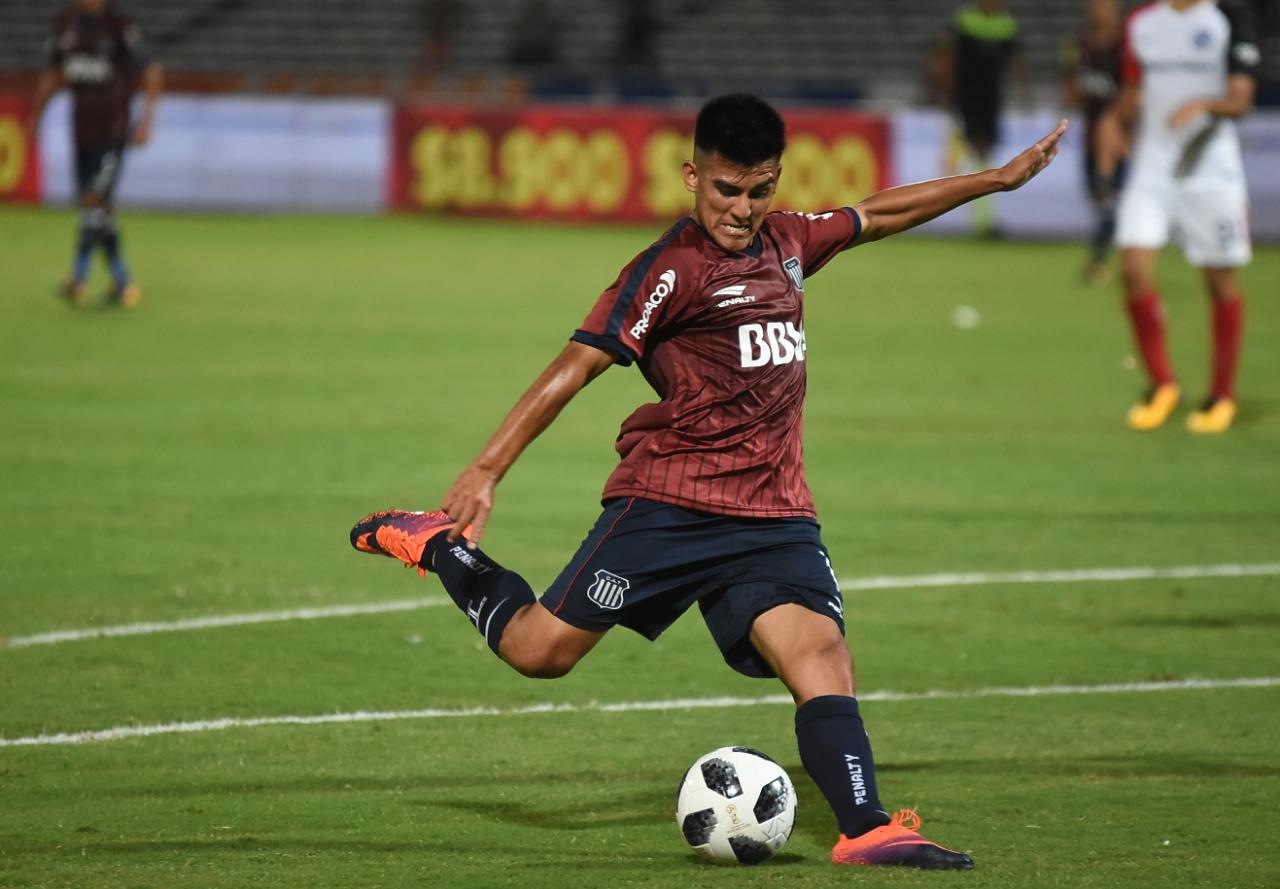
x: 644, y: 563
x: 98, y: 170
x: 980, y: 119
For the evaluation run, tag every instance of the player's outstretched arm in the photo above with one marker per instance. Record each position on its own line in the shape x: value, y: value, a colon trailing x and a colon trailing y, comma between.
x: 152, y: 84
x: 49, y: 82
x: 470, y: 500
x: 906, y: 206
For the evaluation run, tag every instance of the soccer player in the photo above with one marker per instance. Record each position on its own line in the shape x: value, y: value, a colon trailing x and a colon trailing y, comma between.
x: 1090, y: 81
x: 980, y: 47
x: 1189, y: 68
x: 98, y: 53
x: 709, y: 502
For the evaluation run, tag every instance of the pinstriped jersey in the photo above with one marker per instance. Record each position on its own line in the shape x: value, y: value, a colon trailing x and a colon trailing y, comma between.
x: 1180, y: 55
x: 720, y: 338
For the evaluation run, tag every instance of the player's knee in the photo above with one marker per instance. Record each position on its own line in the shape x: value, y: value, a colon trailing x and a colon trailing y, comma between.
x: 537, y: 661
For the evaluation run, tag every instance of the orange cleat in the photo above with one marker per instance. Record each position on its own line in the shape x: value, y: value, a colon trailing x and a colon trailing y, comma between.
x: 897, y: 843
x: 400, y: 535
x: 126, y: 296
x: 73, y: 292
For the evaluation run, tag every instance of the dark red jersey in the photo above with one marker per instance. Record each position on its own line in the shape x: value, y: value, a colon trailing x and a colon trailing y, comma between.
x: 1095, y: 68
x: 100, y: 57
x: 720, y: 337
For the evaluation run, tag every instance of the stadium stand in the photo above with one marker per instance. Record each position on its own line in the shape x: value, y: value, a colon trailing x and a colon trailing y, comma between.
x: 801, y: 49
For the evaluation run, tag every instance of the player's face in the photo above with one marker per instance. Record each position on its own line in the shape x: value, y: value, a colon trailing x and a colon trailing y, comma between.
x: 1104, y: 13
x: 91, y: 6
x: 730, y: 201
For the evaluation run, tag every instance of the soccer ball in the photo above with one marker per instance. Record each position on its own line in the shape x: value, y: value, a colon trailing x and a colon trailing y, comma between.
x: 736, y: 806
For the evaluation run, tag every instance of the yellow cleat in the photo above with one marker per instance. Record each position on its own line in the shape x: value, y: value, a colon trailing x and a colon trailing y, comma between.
x: 73, y: 292
x: 1155, y: 408
x: 126, y: 297
x: 1214, y: 416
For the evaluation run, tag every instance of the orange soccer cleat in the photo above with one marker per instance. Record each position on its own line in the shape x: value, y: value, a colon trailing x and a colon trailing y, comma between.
x: 897, y: 843
x: 400, y: 535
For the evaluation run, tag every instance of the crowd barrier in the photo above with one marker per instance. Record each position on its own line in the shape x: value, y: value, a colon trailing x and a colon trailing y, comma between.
x: 265, y: 154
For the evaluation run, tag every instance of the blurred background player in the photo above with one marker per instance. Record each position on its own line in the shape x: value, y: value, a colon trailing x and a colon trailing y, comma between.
x: 1188, y: 73
x: 99, y: 55
x: 1090, y: 81
x: 973, y: 59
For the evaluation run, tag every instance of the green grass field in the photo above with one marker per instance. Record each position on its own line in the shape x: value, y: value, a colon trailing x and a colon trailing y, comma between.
x: 206, y: 454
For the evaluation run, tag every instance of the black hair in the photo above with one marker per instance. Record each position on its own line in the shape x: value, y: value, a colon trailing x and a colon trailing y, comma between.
x: 741, y: 128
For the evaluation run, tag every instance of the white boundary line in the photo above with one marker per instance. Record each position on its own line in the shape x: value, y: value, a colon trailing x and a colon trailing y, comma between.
x: 1084, y: 575
x: 212, y: 725
x: 226, y: 620
x: 857, y: 584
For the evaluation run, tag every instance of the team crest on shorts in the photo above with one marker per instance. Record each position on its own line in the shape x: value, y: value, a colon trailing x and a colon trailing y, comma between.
x: 794, y: 272
x: 608, y: 590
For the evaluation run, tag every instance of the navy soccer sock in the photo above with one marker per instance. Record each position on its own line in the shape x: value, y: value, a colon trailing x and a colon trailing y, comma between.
x: 487, y: 593
x: 88, y: 237
x: 115, y: 258
x: 836, y: 753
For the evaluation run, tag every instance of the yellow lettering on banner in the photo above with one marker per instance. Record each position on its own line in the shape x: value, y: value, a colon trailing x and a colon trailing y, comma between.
x: 13, y: 154
x: 565, y: 171
x: 609, y: 171
x: 428, y: 157
x: 664, y: 153
x: 521, y: 165
x: 856, y: 169
x: 818, y: 176
x: 471, y: 158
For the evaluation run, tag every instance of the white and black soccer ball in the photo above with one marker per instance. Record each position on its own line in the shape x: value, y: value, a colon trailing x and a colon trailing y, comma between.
x: 736, y: 806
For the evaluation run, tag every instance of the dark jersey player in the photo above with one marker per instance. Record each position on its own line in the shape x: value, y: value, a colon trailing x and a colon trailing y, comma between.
x: 98, y: 54
x: 1090, y: 82
x: 708, y: 504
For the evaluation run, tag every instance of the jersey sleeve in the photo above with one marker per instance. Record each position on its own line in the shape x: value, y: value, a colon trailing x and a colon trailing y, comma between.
x: 1243, y: 56
x: 136, y: 50
x: 647, y: 295
x: 1130, y: 65
x: 821, y: 235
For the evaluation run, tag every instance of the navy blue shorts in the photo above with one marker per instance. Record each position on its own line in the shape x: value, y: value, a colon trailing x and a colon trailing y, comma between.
x: 98, y: 170
x: 644, y: 563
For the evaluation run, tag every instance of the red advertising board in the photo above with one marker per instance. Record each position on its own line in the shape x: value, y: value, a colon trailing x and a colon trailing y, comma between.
x: 591, y: 163
x: 19, y: 160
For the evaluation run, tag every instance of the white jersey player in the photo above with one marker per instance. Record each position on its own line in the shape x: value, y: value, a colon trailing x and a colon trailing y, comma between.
x: 1188, y: 73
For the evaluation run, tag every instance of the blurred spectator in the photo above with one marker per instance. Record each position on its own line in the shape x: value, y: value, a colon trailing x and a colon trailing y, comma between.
x: 1090, y: 80
x: 535, y: 46
x: 980, y: 46
x: 439, y: 28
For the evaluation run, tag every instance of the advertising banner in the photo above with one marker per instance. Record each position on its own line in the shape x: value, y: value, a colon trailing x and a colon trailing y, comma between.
x: 624, y: 164
x: 19, y: 160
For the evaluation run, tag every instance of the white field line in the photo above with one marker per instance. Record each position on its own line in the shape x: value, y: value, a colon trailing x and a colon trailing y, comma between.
x: 856, y: 584
x: 1083, y: 575
x: 225, y: 620
x: 212, y: 725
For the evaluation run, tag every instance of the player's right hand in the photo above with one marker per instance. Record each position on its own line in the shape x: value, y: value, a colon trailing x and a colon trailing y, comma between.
x: 469, y: 503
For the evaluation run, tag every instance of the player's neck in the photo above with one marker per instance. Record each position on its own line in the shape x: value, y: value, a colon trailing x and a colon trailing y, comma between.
x: 1183, y: 5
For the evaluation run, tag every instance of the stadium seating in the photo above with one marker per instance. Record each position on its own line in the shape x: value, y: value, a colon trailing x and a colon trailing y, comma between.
x: 817, y: 49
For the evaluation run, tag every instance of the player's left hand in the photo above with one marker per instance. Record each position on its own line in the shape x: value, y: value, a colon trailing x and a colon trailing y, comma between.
x: 141, y: 133
x: 1188, y: 113
x: 1019, y: 171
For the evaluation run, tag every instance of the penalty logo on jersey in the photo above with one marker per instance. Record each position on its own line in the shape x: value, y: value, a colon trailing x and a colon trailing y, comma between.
x: 608, y: 590
x: 794, y: 272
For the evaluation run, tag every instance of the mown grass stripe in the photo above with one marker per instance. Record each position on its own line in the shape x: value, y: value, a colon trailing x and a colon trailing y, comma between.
x: 857, y: 584
x: 210, y: 725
